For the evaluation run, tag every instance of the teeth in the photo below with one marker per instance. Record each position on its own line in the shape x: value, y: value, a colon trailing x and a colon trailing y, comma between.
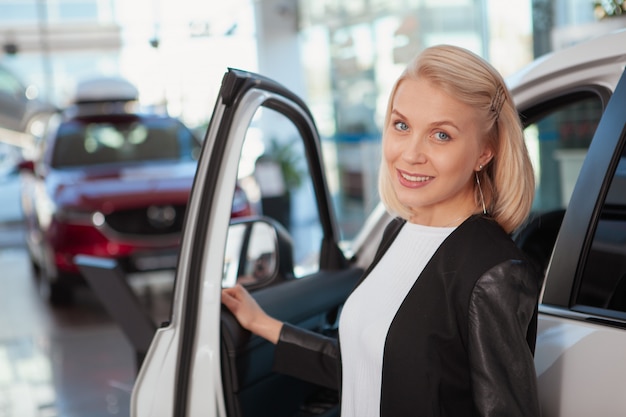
x: 415, y: 178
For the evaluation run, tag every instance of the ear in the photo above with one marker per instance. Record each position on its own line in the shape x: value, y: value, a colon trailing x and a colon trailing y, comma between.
x: 484, y: 158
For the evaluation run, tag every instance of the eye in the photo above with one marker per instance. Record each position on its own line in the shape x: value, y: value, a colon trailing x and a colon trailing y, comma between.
x: 399, y: 125
x: 443, y: 136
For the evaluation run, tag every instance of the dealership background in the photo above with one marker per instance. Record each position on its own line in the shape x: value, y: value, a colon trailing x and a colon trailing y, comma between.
x: 341, y: 56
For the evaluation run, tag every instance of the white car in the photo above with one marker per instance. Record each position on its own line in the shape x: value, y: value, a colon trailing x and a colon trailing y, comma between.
x: 201, y: 363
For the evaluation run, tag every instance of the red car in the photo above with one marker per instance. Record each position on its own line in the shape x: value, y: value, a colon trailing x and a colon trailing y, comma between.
x: 109, y: 183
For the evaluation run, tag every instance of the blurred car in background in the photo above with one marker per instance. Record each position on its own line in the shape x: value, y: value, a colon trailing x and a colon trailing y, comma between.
x: 23, y: 116
x: 21, y: 109
x: 111, y: 181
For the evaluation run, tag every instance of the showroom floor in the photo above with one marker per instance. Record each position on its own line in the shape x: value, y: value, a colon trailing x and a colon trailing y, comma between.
x: 57, y: 362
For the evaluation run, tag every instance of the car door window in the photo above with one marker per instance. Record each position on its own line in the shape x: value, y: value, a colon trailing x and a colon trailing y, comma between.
x: 273, y: 172
x: 558, y: 142
x: 558, y: 134
x: 603, y: 283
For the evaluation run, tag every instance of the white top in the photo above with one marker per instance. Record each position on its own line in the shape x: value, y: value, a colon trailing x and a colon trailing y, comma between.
x: 368, y: 312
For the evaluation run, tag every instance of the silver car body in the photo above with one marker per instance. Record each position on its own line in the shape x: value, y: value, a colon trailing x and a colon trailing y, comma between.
x: 580, y: 364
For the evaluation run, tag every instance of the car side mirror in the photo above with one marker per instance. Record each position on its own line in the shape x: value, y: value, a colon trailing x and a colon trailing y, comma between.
x: 259, y: 252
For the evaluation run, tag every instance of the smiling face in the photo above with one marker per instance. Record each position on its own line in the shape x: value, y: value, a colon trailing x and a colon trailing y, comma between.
x: 432, y: 145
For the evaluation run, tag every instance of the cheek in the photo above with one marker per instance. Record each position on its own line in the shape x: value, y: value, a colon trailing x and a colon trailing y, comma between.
x: 387, y: 151
x: 452, y: 164
x: 391, y: 149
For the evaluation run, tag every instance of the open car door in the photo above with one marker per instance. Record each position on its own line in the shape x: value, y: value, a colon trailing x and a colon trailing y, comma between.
x: 263, y: 139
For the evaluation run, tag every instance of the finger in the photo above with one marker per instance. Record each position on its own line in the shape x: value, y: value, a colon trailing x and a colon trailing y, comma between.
x: 229, y: 300
x: 239, y: 289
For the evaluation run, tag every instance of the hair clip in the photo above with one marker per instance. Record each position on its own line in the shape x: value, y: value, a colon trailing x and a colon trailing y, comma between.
x: 498, y: 100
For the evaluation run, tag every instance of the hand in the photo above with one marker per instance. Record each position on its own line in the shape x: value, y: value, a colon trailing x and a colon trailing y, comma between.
x: 245, y: 308
x: 249, y: 314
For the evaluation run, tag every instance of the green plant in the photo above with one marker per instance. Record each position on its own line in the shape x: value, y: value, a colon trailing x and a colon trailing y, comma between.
x: 289, y: 160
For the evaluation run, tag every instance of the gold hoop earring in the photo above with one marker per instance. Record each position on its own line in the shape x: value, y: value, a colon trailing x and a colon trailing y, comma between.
x: 480, y: 190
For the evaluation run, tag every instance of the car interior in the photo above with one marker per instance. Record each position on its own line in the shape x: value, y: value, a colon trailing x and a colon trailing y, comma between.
x: 251, y: 388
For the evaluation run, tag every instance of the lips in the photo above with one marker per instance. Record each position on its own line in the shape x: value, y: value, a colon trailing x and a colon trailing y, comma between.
x: 413, y: 181
x: 415, y: 178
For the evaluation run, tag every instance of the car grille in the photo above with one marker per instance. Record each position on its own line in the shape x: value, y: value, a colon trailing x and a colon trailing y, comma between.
x: 149, y: 221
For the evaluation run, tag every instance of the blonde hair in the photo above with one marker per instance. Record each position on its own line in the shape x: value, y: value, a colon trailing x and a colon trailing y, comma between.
x: 507, y: 182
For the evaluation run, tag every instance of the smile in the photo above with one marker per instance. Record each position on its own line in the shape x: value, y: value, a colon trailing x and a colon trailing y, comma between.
x: 415, y: 178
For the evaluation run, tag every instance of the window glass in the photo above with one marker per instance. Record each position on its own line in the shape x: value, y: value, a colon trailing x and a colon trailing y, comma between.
x: 77, y: 10
x: 18, y: 11
x: 603, y: 283
x: 124, y: 140
x: 558, y: 144
x: 274, y: 174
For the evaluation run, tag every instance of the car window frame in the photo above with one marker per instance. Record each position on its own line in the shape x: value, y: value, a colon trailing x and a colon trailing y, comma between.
x: 533, y: 112
x: 563, y: 276
x: 616, y: 317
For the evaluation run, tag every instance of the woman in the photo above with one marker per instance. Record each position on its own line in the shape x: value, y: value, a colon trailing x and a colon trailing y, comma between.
x: 443, y: 322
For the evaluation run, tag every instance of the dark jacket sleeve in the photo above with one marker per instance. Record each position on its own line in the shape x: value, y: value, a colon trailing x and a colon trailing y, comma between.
x: 308, y: 356
x: 501, y: 311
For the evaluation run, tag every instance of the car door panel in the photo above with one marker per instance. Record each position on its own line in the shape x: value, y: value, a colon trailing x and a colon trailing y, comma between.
x: 565, y: 373
x: 310, y: 303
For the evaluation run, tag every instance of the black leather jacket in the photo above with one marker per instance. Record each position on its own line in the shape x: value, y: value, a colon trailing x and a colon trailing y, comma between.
x: 462, y: 342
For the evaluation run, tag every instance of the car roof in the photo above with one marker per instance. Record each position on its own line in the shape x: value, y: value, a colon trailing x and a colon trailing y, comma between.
x: 105, y: 89
x: 103, y: 96
x: 598, y: 61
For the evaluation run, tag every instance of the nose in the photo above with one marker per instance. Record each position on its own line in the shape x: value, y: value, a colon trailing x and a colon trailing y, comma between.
x: 414, y: 151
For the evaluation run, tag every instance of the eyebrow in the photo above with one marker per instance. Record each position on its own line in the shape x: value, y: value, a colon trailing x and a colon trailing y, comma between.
x: 434, y: 124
